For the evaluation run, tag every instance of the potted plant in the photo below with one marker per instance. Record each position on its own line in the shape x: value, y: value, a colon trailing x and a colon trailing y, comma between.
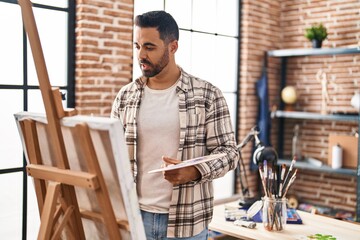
x: 317, y: 33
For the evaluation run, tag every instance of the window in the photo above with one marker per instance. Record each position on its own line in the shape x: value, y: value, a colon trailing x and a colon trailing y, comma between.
x: 208, y: 48
x: 19, y: 91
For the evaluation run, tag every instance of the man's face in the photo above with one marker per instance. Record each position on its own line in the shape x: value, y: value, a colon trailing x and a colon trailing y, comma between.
x: 152, y: 53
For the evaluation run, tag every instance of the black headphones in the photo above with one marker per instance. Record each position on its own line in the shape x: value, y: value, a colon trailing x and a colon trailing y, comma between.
x: 262, y: 153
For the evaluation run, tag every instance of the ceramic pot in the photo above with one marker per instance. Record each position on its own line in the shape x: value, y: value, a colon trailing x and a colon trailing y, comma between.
x: 316, y: 43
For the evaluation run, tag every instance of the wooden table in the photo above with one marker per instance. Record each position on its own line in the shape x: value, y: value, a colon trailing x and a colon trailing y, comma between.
x: 312, y: 224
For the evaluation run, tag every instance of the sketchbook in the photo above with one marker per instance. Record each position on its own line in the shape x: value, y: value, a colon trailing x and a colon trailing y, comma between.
x: 189, y: 162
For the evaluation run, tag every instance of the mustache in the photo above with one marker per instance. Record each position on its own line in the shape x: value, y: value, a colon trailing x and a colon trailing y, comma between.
x: 145, y: 62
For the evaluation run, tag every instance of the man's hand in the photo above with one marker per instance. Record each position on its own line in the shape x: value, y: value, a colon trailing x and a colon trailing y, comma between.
x: 181, y: 175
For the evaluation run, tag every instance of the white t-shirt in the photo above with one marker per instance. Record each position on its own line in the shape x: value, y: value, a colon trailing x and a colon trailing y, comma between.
x: 158, y: 135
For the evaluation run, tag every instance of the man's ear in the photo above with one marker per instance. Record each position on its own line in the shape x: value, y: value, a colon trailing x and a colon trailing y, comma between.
x: 173, y: 46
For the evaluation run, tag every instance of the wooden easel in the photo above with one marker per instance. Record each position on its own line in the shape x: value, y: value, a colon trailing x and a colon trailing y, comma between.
x: 55, y: 185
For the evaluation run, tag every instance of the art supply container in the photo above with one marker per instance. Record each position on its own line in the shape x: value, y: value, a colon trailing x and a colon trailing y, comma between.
x: 274, y: 213
x: 336, y: 156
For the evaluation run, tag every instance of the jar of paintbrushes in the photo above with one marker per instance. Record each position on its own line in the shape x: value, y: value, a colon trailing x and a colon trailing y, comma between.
x: 274, y: 213
x: 276, y: 185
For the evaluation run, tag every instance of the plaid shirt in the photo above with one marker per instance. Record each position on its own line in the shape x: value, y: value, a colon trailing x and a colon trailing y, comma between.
x: 205, y: 128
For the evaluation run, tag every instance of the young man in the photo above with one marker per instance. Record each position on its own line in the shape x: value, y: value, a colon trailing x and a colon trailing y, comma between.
x: 169, y: 116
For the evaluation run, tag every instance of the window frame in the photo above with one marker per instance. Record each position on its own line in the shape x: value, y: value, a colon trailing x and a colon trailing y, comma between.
x: 161, y: 5
x: 69, y: 88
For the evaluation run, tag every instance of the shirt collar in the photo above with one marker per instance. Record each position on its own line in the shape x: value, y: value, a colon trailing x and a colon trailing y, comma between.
x: 184, y: 81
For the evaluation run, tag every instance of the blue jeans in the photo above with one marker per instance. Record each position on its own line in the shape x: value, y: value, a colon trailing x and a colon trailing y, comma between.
x: 156, y: 227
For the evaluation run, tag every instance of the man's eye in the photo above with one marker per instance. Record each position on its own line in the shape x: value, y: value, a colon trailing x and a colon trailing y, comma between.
x: 145, y: 48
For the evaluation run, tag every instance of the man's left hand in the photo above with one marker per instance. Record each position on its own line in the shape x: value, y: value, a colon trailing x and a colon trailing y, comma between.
x: 180, y: 175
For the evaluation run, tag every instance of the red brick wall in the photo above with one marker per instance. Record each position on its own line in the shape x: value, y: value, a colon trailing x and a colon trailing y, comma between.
x: 103, y: 53
x: 104, y: 65
x: 271, y: 25
x: 343, y: 73
x: 260, y: 20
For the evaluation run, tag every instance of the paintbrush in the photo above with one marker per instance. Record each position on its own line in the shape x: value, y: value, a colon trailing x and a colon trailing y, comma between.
x: 290, y: 169
x: 270, y: 179
x: 266, y: 176
x: 292, y: 179
x: 282, y: 175
x: 276, y: 184
x: 271, y: 183
x: 262, y: 180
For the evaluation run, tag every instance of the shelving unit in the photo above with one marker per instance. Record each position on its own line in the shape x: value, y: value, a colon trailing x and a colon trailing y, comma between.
x: 312, y: 52
x: 282, y: 115
x: 316, y: 116
x: 323, y: 168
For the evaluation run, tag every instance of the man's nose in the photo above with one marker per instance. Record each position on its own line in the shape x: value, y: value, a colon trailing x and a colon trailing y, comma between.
x: 141, y: 53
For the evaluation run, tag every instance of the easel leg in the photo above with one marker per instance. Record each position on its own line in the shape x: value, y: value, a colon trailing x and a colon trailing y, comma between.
x: 64, y: 222
x: 50, y: 215
x: 47, y: 215
x: 34, y: 154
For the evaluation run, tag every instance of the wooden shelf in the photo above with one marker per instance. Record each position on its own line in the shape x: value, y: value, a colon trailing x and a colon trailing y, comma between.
x: 316, y: 116
x: 323, y: 168
x: 301, y: 52
x: 284, y: 54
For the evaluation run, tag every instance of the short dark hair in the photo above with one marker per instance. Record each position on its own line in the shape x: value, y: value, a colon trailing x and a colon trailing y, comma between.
x: 162, y: 21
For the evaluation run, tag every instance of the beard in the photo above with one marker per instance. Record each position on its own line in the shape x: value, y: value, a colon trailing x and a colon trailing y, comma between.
x: 154, y: 69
